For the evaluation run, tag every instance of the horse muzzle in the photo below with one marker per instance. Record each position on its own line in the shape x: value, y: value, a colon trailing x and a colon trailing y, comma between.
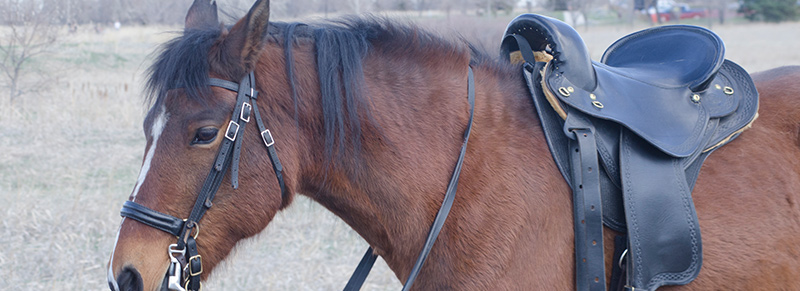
x: 130, y: 280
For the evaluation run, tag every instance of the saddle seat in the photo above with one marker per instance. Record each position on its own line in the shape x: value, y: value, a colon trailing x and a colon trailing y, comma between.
x: 630, y: 134
x: 653, y: 57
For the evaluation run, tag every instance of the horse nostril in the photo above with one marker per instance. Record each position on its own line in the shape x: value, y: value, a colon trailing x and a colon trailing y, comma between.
x: 130, y: 280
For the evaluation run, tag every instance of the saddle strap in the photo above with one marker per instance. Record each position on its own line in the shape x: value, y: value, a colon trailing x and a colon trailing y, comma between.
x: 578, y: 163
x: 588, y: 213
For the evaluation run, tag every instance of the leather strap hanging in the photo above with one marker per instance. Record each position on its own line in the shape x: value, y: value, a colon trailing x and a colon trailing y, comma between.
x: 362, y: 271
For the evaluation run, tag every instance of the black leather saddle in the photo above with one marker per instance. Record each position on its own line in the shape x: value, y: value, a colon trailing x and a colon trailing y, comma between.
x: 629, y: 134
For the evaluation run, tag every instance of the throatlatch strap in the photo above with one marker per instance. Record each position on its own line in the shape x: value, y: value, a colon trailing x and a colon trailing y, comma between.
x: 269, y: 142
x: 361, y: 272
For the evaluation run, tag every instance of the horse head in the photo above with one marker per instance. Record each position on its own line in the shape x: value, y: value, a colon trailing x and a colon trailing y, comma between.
x: 188, y: 128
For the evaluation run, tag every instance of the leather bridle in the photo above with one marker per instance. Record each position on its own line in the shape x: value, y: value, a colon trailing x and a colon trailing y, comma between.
x: 186, y: 264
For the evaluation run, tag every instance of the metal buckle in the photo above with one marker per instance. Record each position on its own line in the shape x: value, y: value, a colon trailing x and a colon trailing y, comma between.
x: 228, y: 131
x: 622, y: 258
x: 187, y: 286
x: 174, y: 272
x: 192, y: 272
x: 245, y: 114
x: 267, y: 137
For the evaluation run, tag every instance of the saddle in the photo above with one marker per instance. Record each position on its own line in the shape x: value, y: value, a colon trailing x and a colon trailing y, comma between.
x: 630, y: 134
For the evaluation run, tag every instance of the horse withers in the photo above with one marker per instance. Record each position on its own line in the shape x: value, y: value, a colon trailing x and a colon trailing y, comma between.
x: 366, y: 117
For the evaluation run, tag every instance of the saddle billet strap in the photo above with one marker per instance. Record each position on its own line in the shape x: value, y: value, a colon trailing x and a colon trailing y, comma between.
x: 586, y: 190
x: 587, y: 202
x: 361, y: 272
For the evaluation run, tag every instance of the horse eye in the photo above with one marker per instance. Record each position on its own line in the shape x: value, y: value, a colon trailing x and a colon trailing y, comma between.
x: 205, y: 135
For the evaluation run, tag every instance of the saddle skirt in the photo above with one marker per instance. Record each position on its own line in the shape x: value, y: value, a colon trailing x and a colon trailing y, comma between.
x: 630, y: 134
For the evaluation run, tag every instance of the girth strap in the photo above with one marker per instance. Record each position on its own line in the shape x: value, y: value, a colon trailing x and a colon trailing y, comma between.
x: 362, y: 271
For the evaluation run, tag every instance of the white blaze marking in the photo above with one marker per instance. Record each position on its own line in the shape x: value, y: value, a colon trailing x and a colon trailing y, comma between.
x: 110, y: 277
x: 155, y: 131
x: 158, y: 127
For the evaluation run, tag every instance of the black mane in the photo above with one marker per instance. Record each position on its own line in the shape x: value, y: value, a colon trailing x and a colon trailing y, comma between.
x: 340, y: 48
x: 183, y: 62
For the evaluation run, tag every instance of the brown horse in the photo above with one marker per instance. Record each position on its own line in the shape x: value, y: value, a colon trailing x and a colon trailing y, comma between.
x: 371, y: 131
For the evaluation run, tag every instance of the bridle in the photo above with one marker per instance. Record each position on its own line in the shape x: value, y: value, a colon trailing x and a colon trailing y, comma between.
x: 186, y: 264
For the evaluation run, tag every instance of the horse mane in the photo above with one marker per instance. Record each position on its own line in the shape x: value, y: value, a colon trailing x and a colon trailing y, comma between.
x: 182, y: 62
x: 341, y: 47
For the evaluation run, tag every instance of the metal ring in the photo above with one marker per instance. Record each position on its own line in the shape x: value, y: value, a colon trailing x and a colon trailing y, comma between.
x: 597, y: 104
x: 564, y: 91
x: 727, y: 90
x: 622, y: 257
x: 197, y: 230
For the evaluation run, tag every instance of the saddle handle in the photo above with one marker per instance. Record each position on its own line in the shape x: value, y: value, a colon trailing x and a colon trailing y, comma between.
x: 570, y: 55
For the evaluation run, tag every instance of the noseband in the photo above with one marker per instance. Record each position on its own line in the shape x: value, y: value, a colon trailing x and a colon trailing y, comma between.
x: 184, y: 274
x: 186, y: 264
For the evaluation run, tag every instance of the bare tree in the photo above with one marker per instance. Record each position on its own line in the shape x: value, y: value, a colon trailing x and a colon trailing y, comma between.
x: 28, y: 33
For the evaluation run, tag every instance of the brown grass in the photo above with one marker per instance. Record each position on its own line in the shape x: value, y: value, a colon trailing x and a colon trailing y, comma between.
x: 69, y: 158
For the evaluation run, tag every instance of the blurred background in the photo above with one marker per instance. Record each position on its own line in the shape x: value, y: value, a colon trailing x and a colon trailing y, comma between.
x: 71, y: 112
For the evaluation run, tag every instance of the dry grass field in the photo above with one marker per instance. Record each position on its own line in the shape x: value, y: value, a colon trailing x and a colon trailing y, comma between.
x: 69, y: 157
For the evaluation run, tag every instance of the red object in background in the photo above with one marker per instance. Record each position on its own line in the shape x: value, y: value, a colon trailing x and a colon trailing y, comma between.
x: 685, y: 13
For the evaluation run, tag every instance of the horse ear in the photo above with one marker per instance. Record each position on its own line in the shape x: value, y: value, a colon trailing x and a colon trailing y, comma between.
x: 248, y: 34
x: 202, y: 14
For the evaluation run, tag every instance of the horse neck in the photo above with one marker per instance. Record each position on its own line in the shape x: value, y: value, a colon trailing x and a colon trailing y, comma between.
x: 392, y: 192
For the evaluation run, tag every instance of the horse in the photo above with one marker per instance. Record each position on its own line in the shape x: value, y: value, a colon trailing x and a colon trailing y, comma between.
x: 366, y: 117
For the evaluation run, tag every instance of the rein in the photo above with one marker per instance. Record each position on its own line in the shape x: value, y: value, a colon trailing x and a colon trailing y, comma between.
x: 186, y: 264
x: 363, y: 268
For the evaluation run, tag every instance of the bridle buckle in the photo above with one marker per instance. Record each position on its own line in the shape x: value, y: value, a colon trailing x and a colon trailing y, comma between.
x: 231, y: 134
x: 267, y: 137
x: 245, y: 114
x: 190, y: 263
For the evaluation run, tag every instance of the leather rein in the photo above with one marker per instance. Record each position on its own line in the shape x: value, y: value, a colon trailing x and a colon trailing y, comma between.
x: 186, y: 266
